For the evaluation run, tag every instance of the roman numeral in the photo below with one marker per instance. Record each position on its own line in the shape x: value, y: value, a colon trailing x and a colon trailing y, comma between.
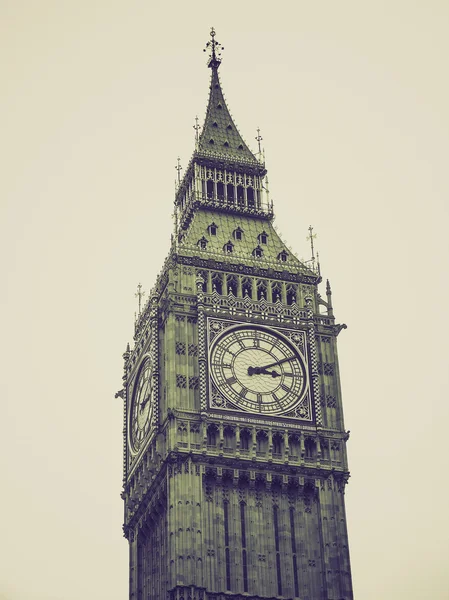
x: 231, y: 380
x: 285, y: 387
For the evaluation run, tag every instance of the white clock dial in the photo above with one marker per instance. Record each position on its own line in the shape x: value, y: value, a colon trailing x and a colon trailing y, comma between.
x: 141, y: 410
x: 258, y: 370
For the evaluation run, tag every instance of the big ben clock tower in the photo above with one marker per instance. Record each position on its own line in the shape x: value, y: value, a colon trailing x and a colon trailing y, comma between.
x: 234, y: 443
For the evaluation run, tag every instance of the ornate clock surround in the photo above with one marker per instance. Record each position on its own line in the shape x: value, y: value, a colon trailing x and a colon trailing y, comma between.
x: 296, y: 338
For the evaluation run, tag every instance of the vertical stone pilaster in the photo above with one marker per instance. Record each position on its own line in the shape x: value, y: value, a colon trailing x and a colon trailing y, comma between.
x: 314, y: 361
x: 202, y: 369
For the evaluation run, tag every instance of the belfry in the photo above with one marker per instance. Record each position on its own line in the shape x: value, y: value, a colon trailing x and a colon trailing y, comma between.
x: 234, y: 443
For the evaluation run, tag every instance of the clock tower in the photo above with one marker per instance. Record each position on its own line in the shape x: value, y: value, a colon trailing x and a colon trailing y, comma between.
x: 234, y: 443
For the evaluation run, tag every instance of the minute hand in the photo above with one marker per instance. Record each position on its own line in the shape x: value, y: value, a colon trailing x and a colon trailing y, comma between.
x: 279, y: 362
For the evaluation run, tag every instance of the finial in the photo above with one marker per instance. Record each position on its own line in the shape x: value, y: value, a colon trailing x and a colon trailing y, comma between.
x: 213, y: 45
x: 139, y: 294
x: 197, y: 128
x: 328, y: 287
x: 311, y: 237
x: 179, y: 168
x: 259, y: 138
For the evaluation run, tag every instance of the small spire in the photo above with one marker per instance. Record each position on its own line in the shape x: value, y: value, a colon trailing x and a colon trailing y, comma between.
x: 179, y: 168
x: 311, y: 237
x: 197, y: 128
x: 139, y: 294
x: 258, y: 139
x: 214, y: 48
x: 330, y: 310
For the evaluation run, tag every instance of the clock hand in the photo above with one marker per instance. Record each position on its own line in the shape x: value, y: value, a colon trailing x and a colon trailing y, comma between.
x: 279, y: 362
x: 262, y: 371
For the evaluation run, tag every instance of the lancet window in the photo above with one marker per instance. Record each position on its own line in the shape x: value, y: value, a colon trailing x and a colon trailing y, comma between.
x: 232, y: 284
x: 291, y: 294
x: 261, y: 289
x: 310, y: 448
x: 245, y: 439
x: 212, y: 435
x: 247, y: 287
x: 229, y: 438
x: 217, y: 283
x: 276, y: 291
x: 294, y: 446
x: 278, y: 444
x: 262, y: 442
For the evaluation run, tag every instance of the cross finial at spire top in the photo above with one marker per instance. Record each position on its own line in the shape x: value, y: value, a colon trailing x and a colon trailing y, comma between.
x: 214, y: 48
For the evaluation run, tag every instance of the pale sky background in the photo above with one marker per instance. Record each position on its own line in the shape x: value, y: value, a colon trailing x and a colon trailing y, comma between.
x: 97, y: 100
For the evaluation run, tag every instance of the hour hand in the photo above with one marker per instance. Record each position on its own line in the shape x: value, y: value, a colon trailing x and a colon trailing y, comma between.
x: 143, y: 403
x: 261, y: 371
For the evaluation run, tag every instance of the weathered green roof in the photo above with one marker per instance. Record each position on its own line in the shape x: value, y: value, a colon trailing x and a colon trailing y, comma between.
x: 243, y: 250
x: 219, y: 134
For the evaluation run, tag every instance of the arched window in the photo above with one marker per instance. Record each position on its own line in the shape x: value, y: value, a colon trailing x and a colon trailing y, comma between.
x: 232, y: 284
x: 212, y: 435
x: 291, y: 294
x: 276, y: 291
x: 263, y: 238
x: 230, y: 193
x: 229, y: 438
x: 258, y: 252
x: 294, y: 446
x: 324, y: 449
x: 240, y: 195
x: 310, y: 448
x: 261, y: 289
x: 278, y: 444
x: 210, y: 189
x: 245, y: 439
x: 262, y: 442
x: 220, y: 191
x: 212, y: 229
x: 250, y: 197
x: 247, y: 287
x: 217, y: 283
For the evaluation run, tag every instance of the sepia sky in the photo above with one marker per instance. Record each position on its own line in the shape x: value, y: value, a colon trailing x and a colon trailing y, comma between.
x: 97, y: 100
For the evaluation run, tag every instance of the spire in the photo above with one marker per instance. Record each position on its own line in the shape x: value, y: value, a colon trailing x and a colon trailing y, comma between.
x: 219, y: 136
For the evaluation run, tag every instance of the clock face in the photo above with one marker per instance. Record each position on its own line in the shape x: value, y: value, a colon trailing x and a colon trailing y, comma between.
x: 141, y: 411
x: 258, y: 370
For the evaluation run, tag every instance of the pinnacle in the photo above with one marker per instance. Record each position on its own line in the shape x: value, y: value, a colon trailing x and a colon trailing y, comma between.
x: 220, y: 136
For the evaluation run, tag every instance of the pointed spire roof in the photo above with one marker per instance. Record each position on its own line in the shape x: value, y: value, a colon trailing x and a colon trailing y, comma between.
x: 220, y: 136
